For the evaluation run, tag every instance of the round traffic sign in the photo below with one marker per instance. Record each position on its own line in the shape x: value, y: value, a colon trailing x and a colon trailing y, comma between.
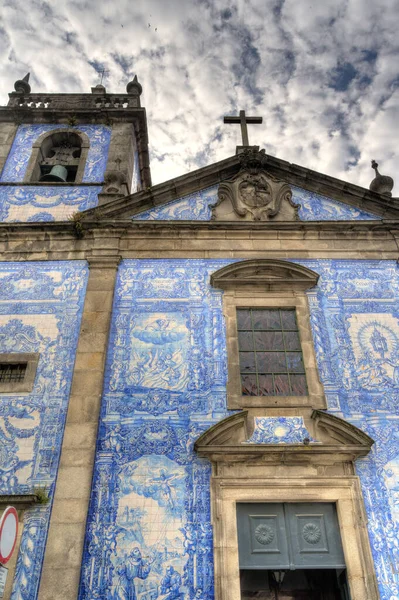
x: 8, y: 533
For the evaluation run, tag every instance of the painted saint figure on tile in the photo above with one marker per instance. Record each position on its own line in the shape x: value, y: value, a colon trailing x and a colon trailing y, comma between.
x: 134, y: 567
x: 375, y: 339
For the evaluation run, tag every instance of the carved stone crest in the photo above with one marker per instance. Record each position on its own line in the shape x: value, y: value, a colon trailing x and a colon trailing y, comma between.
x: 253, y: 194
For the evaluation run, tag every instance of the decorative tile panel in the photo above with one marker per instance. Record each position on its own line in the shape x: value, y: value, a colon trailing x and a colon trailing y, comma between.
x: 315, y: 207
x: 43, y: 203
x: 280, y: 430
x: 355, y: 322
x: 198, y: 207
x: 40, y: 309
x: 149, y: 521
x: 18, y: 158
x: 195, y: 207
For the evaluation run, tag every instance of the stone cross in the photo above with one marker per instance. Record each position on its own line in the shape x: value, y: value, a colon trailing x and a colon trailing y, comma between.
x: 243, y: 120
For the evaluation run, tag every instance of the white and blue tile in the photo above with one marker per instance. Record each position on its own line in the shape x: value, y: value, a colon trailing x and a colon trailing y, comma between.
x: 40, y: 309
x: 280, y: 430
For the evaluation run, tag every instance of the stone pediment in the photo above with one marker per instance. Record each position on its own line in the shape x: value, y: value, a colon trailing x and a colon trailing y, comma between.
x: 330, y: 439
x: 274, y: 183
x: 265, y: 273
x: 254, y: 194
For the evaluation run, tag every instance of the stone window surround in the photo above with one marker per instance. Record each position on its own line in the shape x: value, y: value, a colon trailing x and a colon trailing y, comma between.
x: 268, y: 284
x: 32, y: 171
x: 26, y: 385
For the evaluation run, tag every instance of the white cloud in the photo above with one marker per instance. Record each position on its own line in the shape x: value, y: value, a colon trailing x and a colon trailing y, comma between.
x: 198, y: 60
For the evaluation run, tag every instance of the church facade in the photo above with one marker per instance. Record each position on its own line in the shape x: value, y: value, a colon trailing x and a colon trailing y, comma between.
x: 199, y: 380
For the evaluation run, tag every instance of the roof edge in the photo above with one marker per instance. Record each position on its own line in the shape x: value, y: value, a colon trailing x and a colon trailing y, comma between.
x: 211, y: 175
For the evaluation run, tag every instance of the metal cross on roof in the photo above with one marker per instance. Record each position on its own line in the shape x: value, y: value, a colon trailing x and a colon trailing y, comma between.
x: 243, y: 120
x: 102, y: 73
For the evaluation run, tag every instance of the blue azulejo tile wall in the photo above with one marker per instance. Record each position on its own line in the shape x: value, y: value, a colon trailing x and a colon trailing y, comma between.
x: 198, y: 207
x: 46, y: 203
x: 355, y: 320
x: 39, y: 203
x: 40, y: 310
x: 149, y: 522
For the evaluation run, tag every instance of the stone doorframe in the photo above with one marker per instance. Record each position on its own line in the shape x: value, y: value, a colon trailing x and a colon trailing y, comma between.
x: 315, y: 472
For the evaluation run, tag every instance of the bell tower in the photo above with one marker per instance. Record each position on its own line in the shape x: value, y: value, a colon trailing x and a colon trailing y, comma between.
x: 64, y: 153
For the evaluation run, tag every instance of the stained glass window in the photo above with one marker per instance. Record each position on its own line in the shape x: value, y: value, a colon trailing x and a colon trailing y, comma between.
x: 271, y: 362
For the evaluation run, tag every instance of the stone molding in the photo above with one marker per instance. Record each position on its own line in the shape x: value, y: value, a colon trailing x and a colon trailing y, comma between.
x: 225, y: 443
x: 265, y: 274
x: 265, y: 283
x: 57, y: 240
x: 20, y: 501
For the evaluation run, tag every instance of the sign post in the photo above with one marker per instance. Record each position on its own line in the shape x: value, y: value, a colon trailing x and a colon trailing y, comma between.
x: 3, y: 579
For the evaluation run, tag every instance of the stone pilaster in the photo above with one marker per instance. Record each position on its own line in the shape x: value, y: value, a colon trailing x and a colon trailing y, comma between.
x: 63, y: 556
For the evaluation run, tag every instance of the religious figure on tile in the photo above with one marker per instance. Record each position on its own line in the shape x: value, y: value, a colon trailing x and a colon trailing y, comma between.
x: 377, y: 361
x: 170, y: 585
x: 134, y: 567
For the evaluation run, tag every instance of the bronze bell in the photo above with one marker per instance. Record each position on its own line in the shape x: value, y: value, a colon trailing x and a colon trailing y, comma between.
x: 57, y: 173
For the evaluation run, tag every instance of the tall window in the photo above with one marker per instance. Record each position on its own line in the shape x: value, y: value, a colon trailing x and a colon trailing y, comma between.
x: 271, y: 362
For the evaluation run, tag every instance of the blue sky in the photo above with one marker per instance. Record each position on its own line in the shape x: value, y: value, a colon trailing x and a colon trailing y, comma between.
x: 323, y: 74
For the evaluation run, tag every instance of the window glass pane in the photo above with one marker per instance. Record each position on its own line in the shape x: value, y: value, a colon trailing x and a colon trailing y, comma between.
x: 292, y: 341
x: 282, y: 385
x: 266, y: 319
x: 268, y: 340
x: 298, y: 385
x: 244, y: 319
x: 247, y: 362
x: 271, y: 362
x: 245, y: 340
x: 248, y: 384
x: 266, y: 387
x: 294, y: 362
x: 288, y: 319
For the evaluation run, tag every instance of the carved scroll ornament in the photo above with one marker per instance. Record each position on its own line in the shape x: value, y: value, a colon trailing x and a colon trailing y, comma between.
x: 254, y: 194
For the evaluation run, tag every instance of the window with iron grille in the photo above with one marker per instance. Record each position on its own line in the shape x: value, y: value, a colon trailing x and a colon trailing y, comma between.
x: 271, y: 362
x: 12, y: 372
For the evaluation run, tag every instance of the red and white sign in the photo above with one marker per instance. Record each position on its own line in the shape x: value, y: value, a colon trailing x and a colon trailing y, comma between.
x: 8, y: 533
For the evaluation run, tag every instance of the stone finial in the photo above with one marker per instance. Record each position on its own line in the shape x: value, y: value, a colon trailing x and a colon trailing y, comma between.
x: 98, y: 89
x: 381, y: 184
x: 22, y: 85
x: 134, y: 87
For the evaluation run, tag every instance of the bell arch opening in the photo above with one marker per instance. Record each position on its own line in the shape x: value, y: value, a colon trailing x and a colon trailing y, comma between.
x: 58, y: 156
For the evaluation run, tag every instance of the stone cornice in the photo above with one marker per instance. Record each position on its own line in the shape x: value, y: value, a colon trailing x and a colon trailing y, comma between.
x: 293, y: 174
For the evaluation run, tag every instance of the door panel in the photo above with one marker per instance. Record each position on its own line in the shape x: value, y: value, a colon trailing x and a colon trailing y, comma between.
x: 315, y: 541
x: 289, y: 536
x: 262, y: 536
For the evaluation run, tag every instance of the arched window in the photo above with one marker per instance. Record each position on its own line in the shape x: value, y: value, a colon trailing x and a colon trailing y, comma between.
x: 58, y: 156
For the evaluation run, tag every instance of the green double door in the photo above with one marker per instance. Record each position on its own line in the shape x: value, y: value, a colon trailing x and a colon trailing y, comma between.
x: 299, y: 539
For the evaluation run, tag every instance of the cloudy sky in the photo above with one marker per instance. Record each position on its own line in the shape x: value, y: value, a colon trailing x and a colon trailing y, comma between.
x: 323, y: 74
